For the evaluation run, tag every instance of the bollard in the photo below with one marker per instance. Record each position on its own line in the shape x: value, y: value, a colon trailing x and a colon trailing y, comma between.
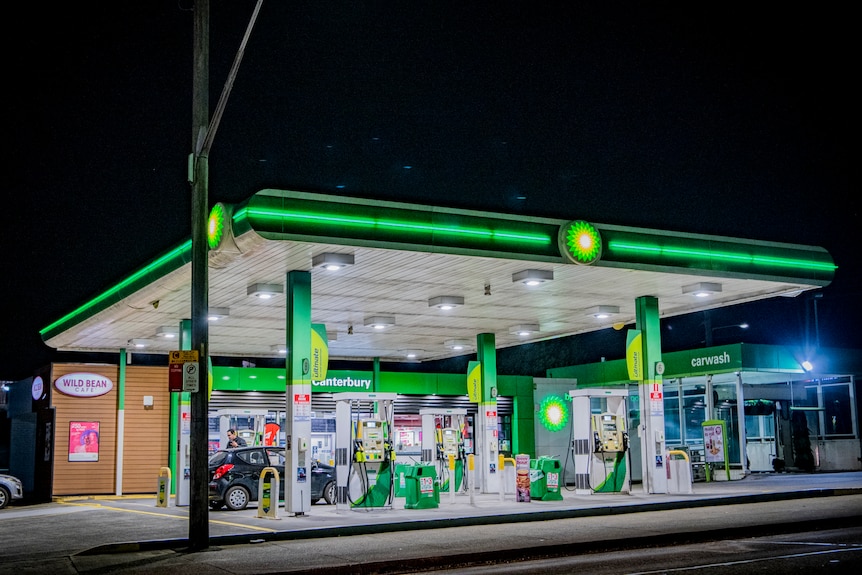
x: 501, y: 467
x: 503, y: 461
x: 267, y: 494
x: 678, y: 472
x: 163, y: 492
x: 451, y: 478
x: 471, y: 481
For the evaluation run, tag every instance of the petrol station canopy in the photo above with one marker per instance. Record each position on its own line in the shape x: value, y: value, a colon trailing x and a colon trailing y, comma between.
x: 406, y: 261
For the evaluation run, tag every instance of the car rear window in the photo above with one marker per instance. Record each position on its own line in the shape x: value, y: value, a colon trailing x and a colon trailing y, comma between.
x: 276, y: 456
x: 217, y: 458
x: 252, y: 456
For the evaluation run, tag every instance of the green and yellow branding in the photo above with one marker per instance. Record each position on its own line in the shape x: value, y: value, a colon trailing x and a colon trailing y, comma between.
x: 581, y: 242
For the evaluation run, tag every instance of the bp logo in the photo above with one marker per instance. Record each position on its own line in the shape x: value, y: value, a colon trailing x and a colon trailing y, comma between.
x: 216, y: 226
x: 554, y: 413
x: 581, y: 242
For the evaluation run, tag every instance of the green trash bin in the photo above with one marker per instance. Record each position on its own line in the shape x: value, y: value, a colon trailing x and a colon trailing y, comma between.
x: 545, y: 479
x: 401, y: 479
x: 422, y: 487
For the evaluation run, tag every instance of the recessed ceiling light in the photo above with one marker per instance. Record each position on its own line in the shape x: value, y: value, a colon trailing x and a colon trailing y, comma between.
x: 603, y: 311
x: 457, y: 344
x: 332, y: 261
x: 533, y: 277
x: 168, y: 332
x: 380, y: 321
x: 702, y: 289
x: 265, y: 291
x: 217, y: 313
x: 139, y: 343
x: 524, y: 329
x: 279, y: 349
x: 446, y: 302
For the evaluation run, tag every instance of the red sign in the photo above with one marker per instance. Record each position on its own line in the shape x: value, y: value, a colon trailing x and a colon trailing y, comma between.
x: 175, y: 377
x: 301, y: 398
x: 270, y: 434
x: 490, y: 414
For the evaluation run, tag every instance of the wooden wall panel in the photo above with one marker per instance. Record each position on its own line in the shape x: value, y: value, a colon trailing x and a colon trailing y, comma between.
x: 146, y: 429
x: 85, y: 477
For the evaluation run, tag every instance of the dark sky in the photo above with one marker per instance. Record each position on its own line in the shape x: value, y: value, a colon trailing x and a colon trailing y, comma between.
x: 718, y: 118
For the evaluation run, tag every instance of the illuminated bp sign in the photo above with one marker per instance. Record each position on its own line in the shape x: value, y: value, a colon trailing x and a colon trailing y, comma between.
x: 216, y: 226
x: 554, y: 413
x: 581, y: 242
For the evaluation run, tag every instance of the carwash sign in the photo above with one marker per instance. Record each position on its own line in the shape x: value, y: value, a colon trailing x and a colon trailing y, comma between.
x: 83, y: 384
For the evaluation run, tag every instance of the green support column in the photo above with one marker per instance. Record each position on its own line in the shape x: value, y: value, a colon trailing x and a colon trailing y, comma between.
x: 178, y: 402
x: 651, y: 431
x: 121, y: 424
x: 297, y: 468
x: 486, y: 422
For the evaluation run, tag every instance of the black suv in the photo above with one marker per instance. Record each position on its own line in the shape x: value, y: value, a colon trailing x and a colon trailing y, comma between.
x: 235, y: 476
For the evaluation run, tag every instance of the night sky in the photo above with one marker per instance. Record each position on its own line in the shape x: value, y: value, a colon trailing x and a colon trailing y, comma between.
x: 718, y: 118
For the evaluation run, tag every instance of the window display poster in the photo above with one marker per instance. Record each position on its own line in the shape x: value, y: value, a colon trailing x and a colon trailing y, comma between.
x: 83, y: 441
x: 713, y: 442
x: 522, y: 477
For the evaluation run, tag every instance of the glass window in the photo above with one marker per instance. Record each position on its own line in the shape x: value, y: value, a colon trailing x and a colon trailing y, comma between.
x: 837, y: 410
x: 672, y: 429
x: 407, y: 432
x: 752, y: 427
x: 811, y: 418
x: 694, y: 413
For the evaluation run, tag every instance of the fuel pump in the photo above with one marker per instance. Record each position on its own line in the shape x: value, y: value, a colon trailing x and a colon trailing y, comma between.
x: 601, y: 443
x: 608, y: 433
x: 250, y: 424
x: 364, y: 450
x: 610, y: 445
x: 443, y: 434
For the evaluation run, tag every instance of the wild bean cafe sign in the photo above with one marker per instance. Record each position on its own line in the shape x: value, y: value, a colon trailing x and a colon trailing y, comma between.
x: 83, y: 384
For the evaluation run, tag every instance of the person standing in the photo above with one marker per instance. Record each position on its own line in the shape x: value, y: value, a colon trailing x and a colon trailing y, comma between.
x: 234, y: 440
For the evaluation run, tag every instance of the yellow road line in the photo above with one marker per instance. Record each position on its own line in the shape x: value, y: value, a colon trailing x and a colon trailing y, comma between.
x: 157, y: 514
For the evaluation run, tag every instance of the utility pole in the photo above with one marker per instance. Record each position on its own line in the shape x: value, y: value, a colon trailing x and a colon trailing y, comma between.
x: 199, y: 530
x: 203, y: 133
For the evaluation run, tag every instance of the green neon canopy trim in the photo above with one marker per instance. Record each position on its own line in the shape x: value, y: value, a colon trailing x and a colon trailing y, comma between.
x: 727, y: 256
x: 501, y: 235
x: 182, y: 254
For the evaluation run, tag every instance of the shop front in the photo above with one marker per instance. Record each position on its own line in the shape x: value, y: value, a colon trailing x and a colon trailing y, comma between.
x: 776, y: 415
x: 107, y: 429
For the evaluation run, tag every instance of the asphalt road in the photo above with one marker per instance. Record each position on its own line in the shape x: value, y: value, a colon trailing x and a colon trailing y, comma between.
x: 809, y: 552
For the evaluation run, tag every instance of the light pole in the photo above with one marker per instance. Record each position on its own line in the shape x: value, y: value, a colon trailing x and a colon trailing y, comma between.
x: 203, y: 132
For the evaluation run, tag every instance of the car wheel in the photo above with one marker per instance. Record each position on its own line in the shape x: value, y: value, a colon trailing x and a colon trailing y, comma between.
x: 5, y: 497
x: 330, y: 492
x: 236, y: 498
